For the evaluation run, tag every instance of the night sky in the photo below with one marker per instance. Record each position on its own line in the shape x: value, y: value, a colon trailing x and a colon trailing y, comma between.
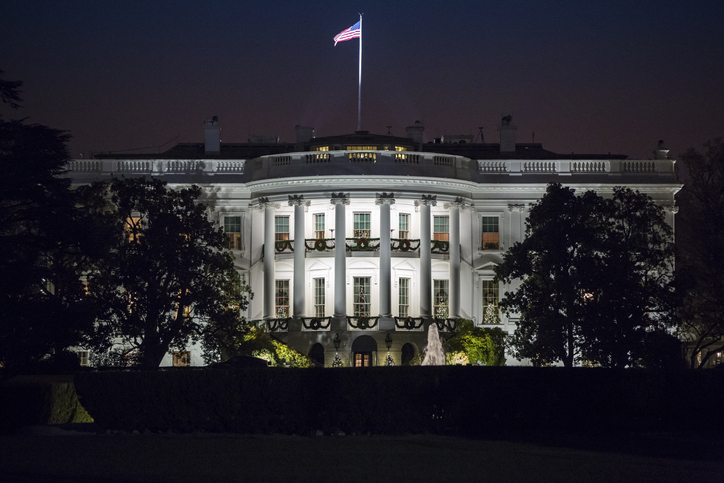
x: 585, y: 76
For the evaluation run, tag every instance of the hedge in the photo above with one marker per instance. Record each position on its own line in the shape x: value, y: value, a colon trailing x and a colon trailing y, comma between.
x: 463, y: 400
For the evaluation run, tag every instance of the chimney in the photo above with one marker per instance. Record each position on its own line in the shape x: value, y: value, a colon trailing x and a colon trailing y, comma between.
x: 507, y: 134
x: 661, y: 152
x: 212, y: 141
x: 304, y: 133
x: 414, y: 132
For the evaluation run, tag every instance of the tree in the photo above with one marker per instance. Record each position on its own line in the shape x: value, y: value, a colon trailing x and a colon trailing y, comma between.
x: 43, y: 247
x: 633, y: 295
x: 475, y: 345
x: 701, y: 238
x: 554, y: 264
x: 167, y: 275
x: 596, y: 275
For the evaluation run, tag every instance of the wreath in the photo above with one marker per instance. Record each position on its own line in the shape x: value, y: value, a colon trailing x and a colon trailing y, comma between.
x: 405, y: 245
x: 314, y: 324
x: 362, y: 323
x: 362, y: 242
x: 319, y: 245
x: 409, y: 323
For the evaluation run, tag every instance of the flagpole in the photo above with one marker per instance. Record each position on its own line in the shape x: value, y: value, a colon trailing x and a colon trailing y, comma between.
x: 359, y: 89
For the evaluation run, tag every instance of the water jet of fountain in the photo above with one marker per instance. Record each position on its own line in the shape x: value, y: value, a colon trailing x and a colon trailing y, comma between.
x: 434, y: 355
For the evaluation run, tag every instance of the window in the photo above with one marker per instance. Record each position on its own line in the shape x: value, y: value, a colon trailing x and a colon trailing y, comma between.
x: 361, y: 296
x: 181, y: 358
x: 440, y: 296
x: 133, y: 227
x: 404, y: 227
x: 490, y: 232
x: 404, y: 308
x: 321, y: 148
x: 319, y: 226
x: 83, y: 358
x: 319, y: 297
x: 362, y: 359
x: 441, y: 228
x: 401, y: 148
x: 361, y: 225
x: 490, y: 302
x: 232, y: 229
x: 361, y: 148
x: 282, y: 298
x: 281, y: 228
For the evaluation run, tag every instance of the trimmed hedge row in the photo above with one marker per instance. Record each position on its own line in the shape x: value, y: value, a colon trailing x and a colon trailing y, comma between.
x: 26, y: 400
x: 471, y: 401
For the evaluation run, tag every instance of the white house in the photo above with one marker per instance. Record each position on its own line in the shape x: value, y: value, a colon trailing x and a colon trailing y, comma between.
x: 367, y: 238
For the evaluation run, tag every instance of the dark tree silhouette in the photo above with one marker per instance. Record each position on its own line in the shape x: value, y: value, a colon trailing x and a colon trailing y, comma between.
x: 42, y: 309
x: 167, y: 274
x: 595, y: 276
x: 701, y: 238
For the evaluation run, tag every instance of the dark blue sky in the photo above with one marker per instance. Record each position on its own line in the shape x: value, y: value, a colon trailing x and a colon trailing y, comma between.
x: 585, y: 76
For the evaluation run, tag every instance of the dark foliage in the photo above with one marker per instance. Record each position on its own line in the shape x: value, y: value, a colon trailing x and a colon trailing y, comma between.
x: 167, y: 273
x: 595, y: 276
x: 701, y: 240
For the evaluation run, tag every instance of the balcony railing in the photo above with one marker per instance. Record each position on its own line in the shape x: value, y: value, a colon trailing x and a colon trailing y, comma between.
x: 363, y: 244
x: 440, y: 246
x: 363, y: 322
x: 316, y: 323
x: 405, y: 245
x: 319, y: 244
x: 408, y: 323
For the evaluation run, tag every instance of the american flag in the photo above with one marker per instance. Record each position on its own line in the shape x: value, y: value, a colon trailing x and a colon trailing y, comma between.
x: 354, y: 32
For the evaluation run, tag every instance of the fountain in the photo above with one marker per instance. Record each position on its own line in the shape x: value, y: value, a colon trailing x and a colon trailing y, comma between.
x: 434, y: 356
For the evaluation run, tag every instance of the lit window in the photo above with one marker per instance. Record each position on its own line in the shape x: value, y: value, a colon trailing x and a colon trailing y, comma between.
x: 361, y: 225
x: 361, y: 296
x: 321, y: 148
x: 401, y: 148
x: 319, y: 226
x: 319, y: 297
x: 281, y: 228
x: 440, y: 296
x: 441, y: 228
x: 232, y: 229
x: 404, y: 230
x: 282, y: 298
x: 133, y: 228
x: 404, y: 308
x: 361, y: 148
x: 491, y: 314
x: 490, y: 232
x: 84, y: 358
x: 181, y: 358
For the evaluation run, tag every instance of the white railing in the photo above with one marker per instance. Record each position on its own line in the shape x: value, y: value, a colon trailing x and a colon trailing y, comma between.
x: 576, y: 166
x: 157, y: 166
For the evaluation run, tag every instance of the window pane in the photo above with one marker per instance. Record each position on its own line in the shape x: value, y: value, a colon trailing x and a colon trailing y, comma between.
x: 362, y: 225
x: 232, y: 228
x: 441, y: 227
x: 490, y: 302
x: 281, y: 228
x: 440, y: 298
x: 490, y: 232
x: 361, y: 296
x: 404, y: 308
x: 404, y: 230
x: 282, y: 298
x: 319, y: 226
x: 319, y: 297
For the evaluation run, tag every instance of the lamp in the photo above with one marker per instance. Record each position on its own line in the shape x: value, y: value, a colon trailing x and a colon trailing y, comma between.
x: 336, y: 341
x: 388, y: 342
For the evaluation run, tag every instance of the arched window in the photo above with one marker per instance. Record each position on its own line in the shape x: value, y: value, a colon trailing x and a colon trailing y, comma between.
x: 317, y: 354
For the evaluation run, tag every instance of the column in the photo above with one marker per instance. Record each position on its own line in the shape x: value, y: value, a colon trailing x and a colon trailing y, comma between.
x: 425, y: 255
x: 299, y: 252
x: 454, y: 300
x: 340, y: 200
x: 516, y: 226
x: 386, y: 321
x: 269, y: 254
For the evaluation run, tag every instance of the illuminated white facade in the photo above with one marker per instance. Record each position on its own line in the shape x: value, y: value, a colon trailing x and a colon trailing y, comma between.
x: 367, y: 238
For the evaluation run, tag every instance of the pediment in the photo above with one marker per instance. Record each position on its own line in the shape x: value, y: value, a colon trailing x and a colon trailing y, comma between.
x: 487, y: 261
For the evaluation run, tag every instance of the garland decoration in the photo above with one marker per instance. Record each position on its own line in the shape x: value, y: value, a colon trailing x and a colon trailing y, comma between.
x: 320, y: 245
